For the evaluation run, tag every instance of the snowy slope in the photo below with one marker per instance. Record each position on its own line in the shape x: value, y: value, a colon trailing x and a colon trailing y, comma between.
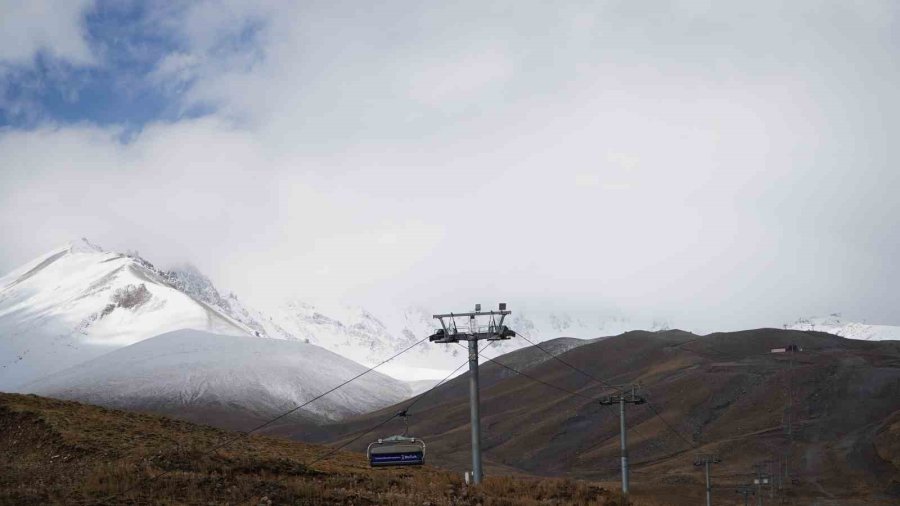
x: 834, y: 324
x: 79, y: 302
x: 192, y: 369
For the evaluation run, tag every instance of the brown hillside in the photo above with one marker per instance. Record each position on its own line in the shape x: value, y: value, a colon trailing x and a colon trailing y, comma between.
x: 59, y: 452
x: 723, y: 393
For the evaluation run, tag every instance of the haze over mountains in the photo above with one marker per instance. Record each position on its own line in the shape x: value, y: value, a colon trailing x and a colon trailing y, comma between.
x: 72, y: 319
x: 80, y: 301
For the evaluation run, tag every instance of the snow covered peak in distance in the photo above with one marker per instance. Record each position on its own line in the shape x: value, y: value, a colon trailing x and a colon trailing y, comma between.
x: 835, y: 324
x: 191, y: 281
x: 369, y: 339
x: 359, y: 335
x: 79, y: 301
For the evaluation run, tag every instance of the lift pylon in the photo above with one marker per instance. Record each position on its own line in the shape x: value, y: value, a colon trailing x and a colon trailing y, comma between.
x: 495, y: 330
x: 624, y: 397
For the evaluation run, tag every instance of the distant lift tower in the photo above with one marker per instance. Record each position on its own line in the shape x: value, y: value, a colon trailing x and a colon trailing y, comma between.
x: 746, y: 491
x: 705, y: 461
x: 762, y: 479
x: 493, y: 331
x: 622, y: 398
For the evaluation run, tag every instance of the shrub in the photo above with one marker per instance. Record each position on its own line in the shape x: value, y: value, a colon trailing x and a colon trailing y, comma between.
x: 131, y: 296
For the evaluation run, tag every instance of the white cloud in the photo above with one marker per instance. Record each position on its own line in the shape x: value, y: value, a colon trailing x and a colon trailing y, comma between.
x: 450, y: 79
x: 396, y: 151
x: 54, y: 26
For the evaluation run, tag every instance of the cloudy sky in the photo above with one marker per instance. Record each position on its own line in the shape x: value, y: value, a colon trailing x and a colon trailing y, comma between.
x: 716, y: 164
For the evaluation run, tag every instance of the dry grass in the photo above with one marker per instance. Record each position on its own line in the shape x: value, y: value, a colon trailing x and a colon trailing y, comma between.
x: 57, y: 452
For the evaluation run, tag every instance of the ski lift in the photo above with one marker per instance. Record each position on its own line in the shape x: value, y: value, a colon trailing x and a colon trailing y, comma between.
x: 399, y: 450
x: 396, y: 451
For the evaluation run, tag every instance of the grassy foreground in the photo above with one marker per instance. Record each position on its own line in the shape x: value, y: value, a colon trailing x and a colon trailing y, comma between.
x: 69, y: 453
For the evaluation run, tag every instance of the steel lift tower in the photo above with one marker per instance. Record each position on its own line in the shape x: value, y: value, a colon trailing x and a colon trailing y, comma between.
x: 746, y: 491
x: 493, y: 331
x: 622, y: 398
x: 706, y: 461
x: 762, y: 478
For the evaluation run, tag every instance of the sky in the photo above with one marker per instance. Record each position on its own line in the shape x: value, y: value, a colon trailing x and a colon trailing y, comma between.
x: 719, y: 165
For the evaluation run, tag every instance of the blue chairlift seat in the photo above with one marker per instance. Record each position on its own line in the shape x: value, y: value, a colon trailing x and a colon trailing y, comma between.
x: 396, y: 451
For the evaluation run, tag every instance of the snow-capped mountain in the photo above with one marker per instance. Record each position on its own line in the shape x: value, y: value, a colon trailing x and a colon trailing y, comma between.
x: 85, y: 314
x: 189, y: 371
x: 369, y: 339
x: 352, y: 332
x: 79, y: 302
x: 359, y: 335
x: 543, y: 325
x: 835, y: 324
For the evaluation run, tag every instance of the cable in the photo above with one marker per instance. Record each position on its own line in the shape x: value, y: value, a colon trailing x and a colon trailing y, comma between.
x: 367, y: 371
x: 555, y: 357
x: 532, y: 378
x: 384, y: 422
x: 348, y: 443
x: 634, y: 429
x: 605, y: 383
x: 671, y: 428
x: 262, y: 425
x: 395, y: 415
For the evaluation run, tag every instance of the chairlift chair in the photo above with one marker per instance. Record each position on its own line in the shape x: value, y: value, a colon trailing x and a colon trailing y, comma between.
x: 396, y: 451
x: 399, y: 450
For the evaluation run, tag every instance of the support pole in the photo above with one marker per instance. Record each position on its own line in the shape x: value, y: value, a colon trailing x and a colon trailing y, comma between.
x: 706, y: 460
x: 449, y: 333
x: 622, y: 398
x: 624, y: 440
x: 708, y: 487
x: 474, y: 404
x: 745, y: 491
x: 759, y: 490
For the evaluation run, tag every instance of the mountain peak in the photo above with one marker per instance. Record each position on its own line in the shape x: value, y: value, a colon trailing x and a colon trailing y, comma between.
x: 190, y: 280
x: 83, y: 245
